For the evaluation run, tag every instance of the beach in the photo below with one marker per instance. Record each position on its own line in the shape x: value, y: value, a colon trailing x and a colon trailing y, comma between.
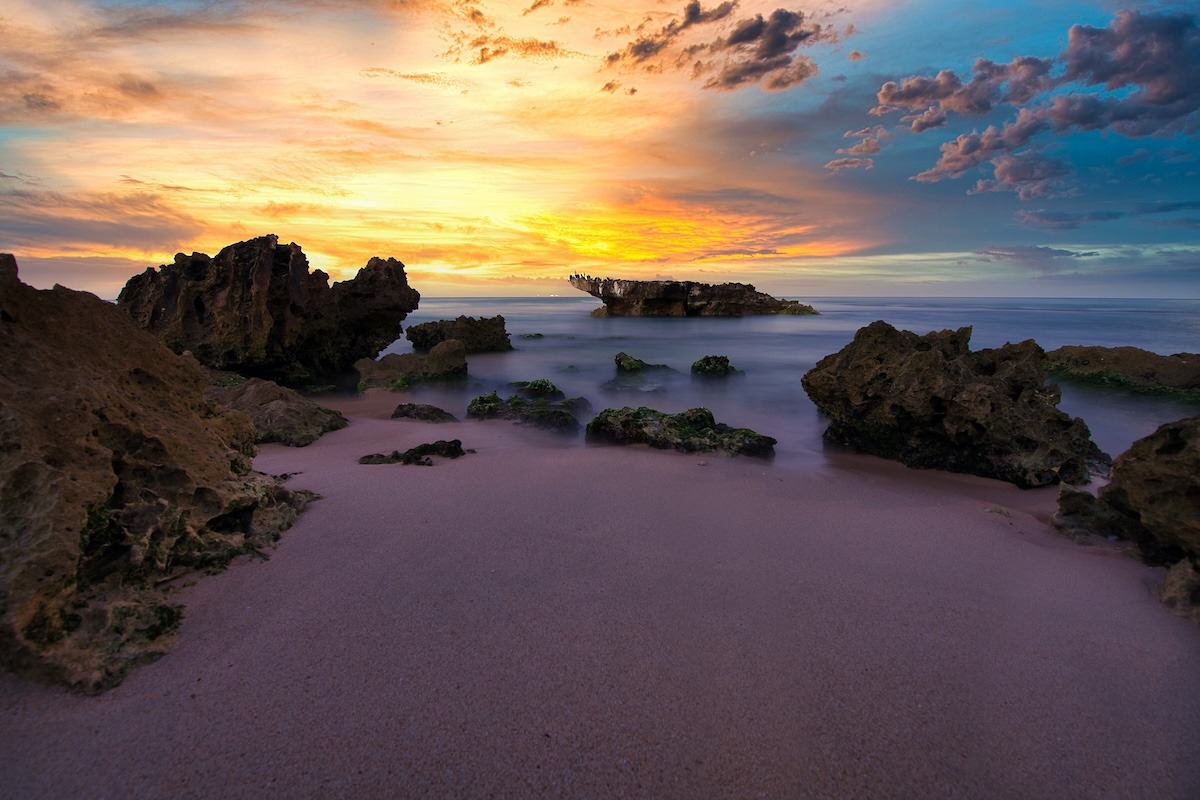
x: 547, y: 618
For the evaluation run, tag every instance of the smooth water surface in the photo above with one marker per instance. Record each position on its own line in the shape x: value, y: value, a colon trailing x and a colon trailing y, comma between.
x: 576, y: 352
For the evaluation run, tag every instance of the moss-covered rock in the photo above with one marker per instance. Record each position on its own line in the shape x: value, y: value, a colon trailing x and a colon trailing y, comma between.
x: 1129, y: 368
x: 538, y: 403
x: 424, y: 412
x: 714, y: 367
x: 694, y: 430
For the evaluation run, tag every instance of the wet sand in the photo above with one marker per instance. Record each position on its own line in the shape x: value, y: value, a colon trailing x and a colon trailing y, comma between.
x: 544, y: 620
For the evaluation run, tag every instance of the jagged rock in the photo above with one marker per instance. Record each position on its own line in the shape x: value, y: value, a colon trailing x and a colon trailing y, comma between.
x: 694, y: 430
x: 423, y: 412
x: 714, y: 367
x: 1152, y: 499
x: 400, y: 370
x: 419, y: 455
x: 256, y: 309
x: 484, y: 335
x: 279, y: 414
x: 623, y: 298
x: 537, y: 403
x: 930, y: 402
x: 1129, y: 367
x: 115, y: 474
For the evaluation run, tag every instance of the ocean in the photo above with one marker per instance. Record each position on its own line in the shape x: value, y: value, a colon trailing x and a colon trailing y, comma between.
x: 557, y: 339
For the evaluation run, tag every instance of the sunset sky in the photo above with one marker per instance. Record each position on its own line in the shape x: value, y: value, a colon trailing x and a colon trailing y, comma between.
x: 1030, y: 147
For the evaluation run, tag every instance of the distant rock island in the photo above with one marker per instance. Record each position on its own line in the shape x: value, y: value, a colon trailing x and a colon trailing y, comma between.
x: 623, y: 298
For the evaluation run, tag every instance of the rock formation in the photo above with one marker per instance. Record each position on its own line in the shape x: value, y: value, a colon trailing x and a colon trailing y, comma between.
x: 537, y: 403
x: 930, y: 402
x: 445, y: 361
x: 1152, y: 499
x: 419, y: 455
x: 682, y: 299
x: 484, y: 335
x: 279, y: 414
x: 115, y: 474
x: 256, y: 309
x: 714, y: 367
x: 1129, y: 367
x: 691, y: 431
x: 423, y: 412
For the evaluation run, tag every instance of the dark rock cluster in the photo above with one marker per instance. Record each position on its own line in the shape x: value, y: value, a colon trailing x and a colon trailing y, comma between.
x: 255, y: 308
x: 116, y: 473
x: 538, y: 403
x: 624, y: 298
x: 931, y: 402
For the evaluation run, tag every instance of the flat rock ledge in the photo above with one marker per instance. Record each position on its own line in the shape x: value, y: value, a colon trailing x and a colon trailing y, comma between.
x: 624, y: 298
x: 691, y: 431
x: 1129, y: 368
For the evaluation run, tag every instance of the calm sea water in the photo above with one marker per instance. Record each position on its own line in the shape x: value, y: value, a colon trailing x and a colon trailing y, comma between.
x: 576, y: 351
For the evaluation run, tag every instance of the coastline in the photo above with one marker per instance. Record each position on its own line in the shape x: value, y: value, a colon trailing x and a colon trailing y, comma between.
x: 561, y: 620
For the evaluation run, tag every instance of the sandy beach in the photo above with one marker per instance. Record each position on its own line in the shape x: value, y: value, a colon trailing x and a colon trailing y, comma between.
x: 538, y: 619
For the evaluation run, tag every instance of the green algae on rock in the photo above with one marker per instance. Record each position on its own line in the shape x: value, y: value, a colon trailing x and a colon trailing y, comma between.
x: 691, y: 431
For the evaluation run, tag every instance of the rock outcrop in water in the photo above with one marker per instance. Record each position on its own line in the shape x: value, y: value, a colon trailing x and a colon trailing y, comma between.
x: 256, y: 309
x: 279, y: 414
x: 115, y: 474
x: 1128, y: 367
x: 691, y: 431
x: 623, y: 298
x: 1152, y: 499
x: 932, y: 403
x: 538, y: 403
x: 483, y: 335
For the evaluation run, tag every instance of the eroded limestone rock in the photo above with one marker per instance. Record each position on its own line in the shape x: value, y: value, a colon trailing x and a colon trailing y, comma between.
x: 483, y: 335
x: 115, y: 474
x: 624, y: 298
x: 932, y: 403
x: 255, y: 308
x: 446, y: 360
x: 1128, y: 367
x: 279, y: 414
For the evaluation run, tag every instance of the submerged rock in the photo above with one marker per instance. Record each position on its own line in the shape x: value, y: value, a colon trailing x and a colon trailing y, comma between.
x: 536, y: 403
x: 691, y: 431
x: 445, y: 361
x: 1152, y: 499
x: 115, y: 474
x: 483, y: 335
x: 1128, y: 367
x: 623, y: 298
x: 255, y: 308
x: 419, y: 455
x: 279, y: 414
x: 628, y: 363
x: 423, y: 412
x: 932, y: 403
x: 714, y: 367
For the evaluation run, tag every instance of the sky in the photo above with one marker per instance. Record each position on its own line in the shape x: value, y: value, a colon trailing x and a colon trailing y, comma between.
x: 812, y: 148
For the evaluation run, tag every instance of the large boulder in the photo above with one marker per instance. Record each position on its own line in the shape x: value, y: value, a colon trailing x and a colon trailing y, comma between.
x: 279, y: 414
x: 624, y: 298
x: 1153, y: 499
x: 930, y: 402
x: 691, y: 431
x: 399, y: 370
x: 1128, y: 367
x: 256, y: 309
x: 115, y: 474
x: 483, y: 335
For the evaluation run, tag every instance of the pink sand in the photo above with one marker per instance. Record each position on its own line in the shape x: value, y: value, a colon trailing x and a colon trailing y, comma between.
x: 540, y: 620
